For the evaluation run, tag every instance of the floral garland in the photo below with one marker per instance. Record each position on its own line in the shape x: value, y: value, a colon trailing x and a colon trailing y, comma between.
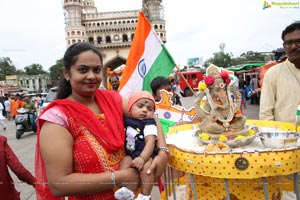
x: 209, y: 81
x: 225, y: 77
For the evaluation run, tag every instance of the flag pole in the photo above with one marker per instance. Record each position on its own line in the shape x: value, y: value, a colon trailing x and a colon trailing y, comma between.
x: 187, y: 83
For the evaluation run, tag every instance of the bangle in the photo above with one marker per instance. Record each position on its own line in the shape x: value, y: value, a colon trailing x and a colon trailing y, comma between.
x: 113, y: 178
x: 166, y: 149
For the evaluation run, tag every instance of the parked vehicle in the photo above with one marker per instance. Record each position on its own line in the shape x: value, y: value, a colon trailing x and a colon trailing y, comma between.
x: 31, y: 96
x: 23, y: 122
x: 192, y: 77
x: 51, y: 95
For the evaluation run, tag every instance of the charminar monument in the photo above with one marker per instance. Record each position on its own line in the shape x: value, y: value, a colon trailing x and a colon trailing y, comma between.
x: 111, y: 32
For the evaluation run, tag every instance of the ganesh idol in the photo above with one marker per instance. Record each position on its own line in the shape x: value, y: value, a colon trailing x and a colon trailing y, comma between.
x: 218, y: 105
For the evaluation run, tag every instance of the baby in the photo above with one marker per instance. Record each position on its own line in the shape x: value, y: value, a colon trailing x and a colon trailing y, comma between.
x: 141, y: 134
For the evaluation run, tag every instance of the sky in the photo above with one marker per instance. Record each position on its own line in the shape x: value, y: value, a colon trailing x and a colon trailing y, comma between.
x: 32, y: 31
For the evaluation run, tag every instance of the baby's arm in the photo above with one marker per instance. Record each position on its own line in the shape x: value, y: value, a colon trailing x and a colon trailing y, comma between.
x: 150, y: 135
x: 139, y: 161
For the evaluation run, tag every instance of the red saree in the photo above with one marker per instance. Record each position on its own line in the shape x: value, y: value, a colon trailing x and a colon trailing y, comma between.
x: 97, y: 147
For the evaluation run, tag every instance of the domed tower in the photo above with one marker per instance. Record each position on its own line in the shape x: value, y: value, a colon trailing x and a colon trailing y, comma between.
x: 89, y: 6
x: 75, y: 31
x: 154, y: 11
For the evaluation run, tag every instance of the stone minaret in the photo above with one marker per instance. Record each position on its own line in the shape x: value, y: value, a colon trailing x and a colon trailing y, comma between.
x: 75, y: 31
x: 89, y: 6
x: 154, y: 11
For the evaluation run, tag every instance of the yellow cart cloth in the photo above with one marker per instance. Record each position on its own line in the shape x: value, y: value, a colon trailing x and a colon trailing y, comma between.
x: 210, y: 169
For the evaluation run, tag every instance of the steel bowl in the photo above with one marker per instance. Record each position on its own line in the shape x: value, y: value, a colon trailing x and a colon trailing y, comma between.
x: 278, y: 139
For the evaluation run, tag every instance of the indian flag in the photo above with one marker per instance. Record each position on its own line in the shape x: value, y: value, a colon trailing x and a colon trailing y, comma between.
x: 147, y: 59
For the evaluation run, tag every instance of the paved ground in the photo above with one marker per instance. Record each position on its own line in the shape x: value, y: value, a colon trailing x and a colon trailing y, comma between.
x: 25, y: 147
x: 251, y: 111
x: 25, y: 150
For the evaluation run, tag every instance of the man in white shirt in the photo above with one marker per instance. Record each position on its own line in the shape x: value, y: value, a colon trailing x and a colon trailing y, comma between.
x: 281, y: 84
x: 7, y: 108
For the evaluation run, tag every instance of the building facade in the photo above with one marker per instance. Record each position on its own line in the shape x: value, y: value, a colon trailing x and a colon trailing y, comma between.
x: 34, y: 83
x: 111, y: 32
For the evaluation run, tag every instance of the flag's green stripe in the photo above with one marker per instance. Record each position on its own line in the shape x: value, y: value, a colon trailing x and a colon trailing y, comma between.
x: 162, y: 66
x: 167, y: 53
x: 166, y: 124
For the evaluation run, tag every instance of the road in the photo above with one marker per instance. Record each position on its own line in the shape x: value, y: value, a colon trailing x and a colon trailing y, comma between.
x: 25, y: 147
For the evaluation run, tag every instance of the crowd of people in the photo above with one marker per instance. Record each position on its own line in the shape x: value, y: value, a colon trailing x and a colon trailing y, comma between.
x: 96, y: 144
x: 11, y: 103
x: 249, y: 88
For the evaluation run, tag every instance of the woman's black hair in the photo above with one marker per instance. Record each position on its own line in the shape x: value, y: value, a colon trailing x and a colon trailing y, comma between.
x: 290, y: 28
x: 70, y: 57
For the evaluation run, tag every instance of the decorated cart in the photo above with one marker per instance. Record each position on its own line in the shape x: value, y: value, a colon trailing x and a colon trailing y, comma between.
x: 248, y: 172
x: 227, y: 156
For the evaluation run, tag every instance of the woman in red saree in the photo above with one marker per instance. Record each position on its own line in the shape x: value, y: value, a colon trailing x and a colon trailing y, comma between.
x: 80, y: 139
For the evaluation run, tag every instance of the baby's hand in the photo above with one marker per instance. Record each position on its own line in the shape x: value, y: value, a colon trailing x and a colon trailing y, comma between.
x: 138, y: 163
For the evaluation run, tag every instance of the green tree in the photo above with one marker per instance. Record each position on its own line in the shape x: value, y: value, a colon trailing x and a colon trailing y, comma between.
x: 34, y: 69
x: 223, y: 59
x: 252, y: 57
x: 6, y: 67
x: 20, y: 72
x: 220, y: 59
x: 56, y: 70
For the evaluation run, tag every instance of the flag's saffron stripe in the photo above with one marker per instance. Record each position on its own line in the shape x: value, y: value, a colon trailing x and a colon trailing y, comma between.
x: 137, y: 48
